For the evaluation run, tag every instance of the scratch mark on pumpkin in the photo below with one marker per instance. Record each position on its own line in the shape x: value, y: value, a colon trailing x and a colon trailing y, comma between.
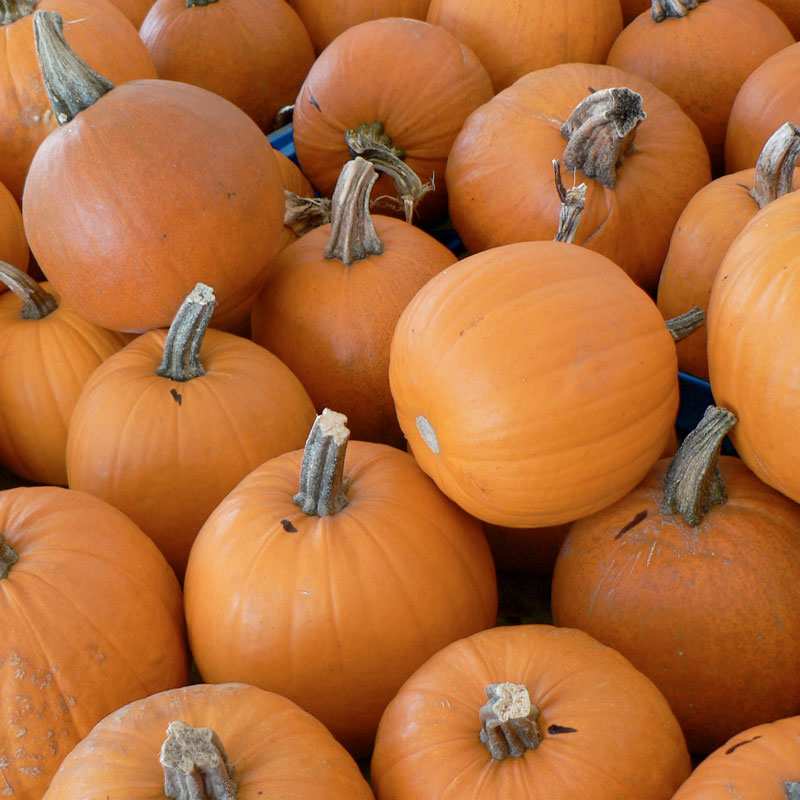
x: 288, y: 527
x: 556, y: 729
x: 650, y: 554
x: 600, y: 586
x: 739, y: 744
x: 176, y: 396
x: 640, y: 517
x: 313, y: 101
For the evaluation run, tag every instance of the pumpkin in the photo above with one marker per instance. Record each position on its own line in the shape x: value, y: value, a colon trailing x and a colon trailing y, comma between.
x: 226, y: 740
x: 165, y: 428
x: 759, y: 763
x: 134, y: 10
x: 788, y: 11
x: 535, y: 382
x: 47, y: 352
x: 405, y: 126
x: 92, y: 620
x: 766, y: 100
x: 707, y: 226
x: 326, y: 19
x: 328, y: 575
x: 99, y: 33
x: 13, y: 242
x: 512, y: 38
x: 366, y: 268
x: 254, y: 53
x: 700, y: 532
x: 753, y: 326
x: 152, y: 177
x: 641, y: 157
x: 528, y: 711
x: 700, y: 54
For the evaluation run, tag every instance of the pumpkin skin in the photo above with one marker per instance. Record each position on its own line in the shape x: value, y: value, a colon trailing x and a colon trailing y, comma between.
x: 203, y: 169
x: 517, y: 445
x: 767, y: 99
x: 703, y: 58
x: 755, y: 763
x: 636, y: 586
x: 512, y: 38
x: 299, y: 604
x: 134, y: 10
x: 276, y: 748
x: 261, y: 51
x: 189, y: 442
x: 13, y: 242
x: 100, y: 33
x: 92, y: 619
x: 751, y: 370
x: 346, y: 87
x: 500, y: 172
x: 599, y: 717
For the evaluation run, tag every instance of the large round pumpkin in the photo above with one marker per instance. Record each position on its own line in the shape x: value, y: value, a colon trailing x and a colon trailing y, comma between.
x: 92, y: 619
x: 534, y: 382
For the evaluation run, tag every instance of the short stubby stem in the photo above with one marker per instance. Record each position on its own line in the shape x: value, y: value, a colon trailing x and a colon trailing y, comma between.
x: 8, y: 557
x: 688, y: 322
x: 792, y: 789
x: 181, y: 361
x: 36, y: 302
x: 509, y: 721
x: 666, y: 9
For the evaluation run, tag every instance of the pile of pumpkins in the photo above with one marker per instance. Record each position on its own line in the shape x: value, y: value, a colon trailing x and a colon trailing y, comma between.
x: 271, y: 438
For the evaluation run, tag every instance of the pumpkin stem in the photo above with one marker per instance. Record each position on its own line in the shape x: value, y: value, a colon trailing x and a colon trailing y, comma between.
x: 8, y: 557
x: 303, y: 214
x: 322, y: 485
x: 774, y: 176
x: 181, y: 360
x: 792, y: 789
x: 36, y: 302
x: 371, y: 141
x: 573, y: 201
x: 509, y: 721
x: 353, y: 236
x: 693, y: 484
x: 12, y: 10
x: 195, y: 764
x: 71, y: 84
x: 688, y: 322
x: 661, y: 9
x: 600, y: 130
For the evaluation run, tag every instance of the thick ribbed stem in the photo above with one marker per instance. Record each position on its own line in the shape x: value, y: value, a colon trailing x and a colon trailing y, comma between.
x: 36, y: 302
x: 12, y: 10
x: 303, y: 214
x: 322, y: 482
x: 371, y: 141
x: 664, y: 9
x: 181, y: 360
x: 195, y: 764
x: 509, y: 721
x: 600, y: 130
x: 774, y: 175
x: 8, y: 557
x: 71, y: 84
x: 353, y: 236
x: 693, y: 484
x: 573, y: 201
x: 688, y: 322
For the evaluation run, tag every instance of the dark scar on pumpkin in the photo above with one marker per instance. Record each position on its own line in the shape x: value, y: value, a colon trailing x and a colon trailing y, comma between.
x: 554, y: 729
x: 176, y: 396
x: 739, y: 744
x: 633, y: 523
x: 314, y: 103
x: 287, y: 526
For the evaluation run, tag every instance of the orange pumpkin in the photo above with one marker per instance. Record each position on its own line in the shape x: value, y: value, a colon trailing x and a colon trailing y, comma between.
x: 153, y: 176
x: 535, y: 382
x: 47, y: 352
x: 230, y: 737
x: 299, y: 575
x: 92, y: 620
x: 565, y: 717
x: 166, y: 427
x: 13, y: 242
x: 512, y: 38
x: 640, y: 172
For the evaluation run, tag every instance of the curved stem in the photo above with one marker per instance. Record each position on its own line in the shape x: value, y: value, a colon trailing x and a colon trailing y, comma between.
x: 371, y: 141
x: 600, y: 130
x: 688, y: 322
x: 303, y: 214
x: 353, y: 236
x: 195, y: 764
x: 181, y: 360
x: 71, y: 84
x: 509, y: 721
x: 12, y: 10
x: 693, y: 484
x: 36, y: 302
x: 322, y: 485
x: 663, y: 9
x: 8, y: 557
x: 573, y: 201
x: 774, y: 175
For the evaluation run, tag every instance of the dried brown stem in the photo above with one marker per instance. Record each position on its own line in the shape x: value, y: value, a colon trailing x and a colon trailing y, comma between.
x: 36, y: 302
x: 509, y: 721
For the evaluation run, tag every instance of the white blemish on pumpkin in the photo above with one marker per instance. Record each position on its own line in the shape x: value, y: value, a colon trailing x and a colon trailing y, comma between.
x: 31, y: 772
x: 427, y: 433
x: 650, y: 554
x: 21, y: 732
